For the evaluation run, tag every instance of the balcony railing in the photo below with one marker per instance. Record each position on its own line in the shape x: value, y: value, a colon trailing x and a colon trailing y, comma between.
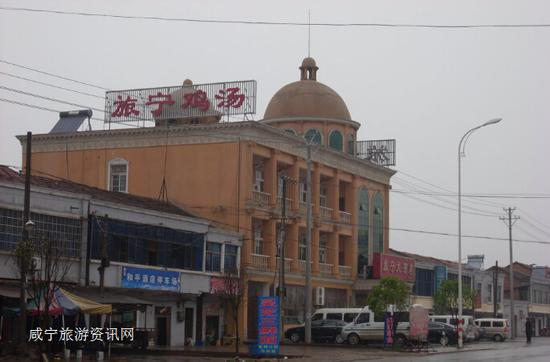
x: 326, y: 212
x: 303, y: 208
x: 260, y: 198
x: 260, y: 262
x: 325, y: 269
x: 301, y: 266
x: 288, y: 204
x: 344, y: 271
x: 345, y: 217
x: 288, y: 263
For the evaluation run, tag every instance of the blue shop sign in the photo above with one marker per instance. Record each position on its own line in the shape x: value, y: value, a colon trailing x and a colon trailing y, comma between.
x: 150, y: 279
x: 268, y: 327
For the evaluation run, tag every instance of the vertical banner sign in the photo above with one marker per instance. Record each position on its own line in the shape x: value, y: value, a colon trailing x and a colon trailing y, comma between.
x: 440, y: 272
x: 268, y: 326
x: 388, y: 329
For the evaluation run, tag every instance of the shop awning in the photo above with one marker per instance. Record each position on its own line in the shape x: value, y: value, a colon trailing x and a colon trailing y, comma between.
x: 64, y: 302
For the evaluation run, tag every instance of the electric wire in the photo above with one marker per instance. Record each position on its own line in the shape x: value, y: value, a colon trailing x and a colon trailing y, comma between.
x: 278, y: 23
x: 52, y: 85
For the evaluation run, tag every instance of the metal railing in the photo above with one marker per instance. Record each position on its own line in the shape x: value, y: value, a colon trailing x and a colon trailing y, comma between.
x: 344, y: 271
x: 288, y: 204
x: 301, y: 266
x: 326, y: 212
x: 288, y: 264
x: 261, y: 198
x: 260, y: 262
x: 345, y: 217
x: 325, y: 269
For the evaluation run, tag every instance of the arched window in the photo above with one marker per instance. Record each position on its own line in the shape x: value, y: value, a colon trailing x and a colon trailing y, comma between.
x: 336, y: 140
x: 351, y: 144
x: 118, y: 175
x: 378, y: 224
x: 291, y: 131
x: 314, y: 136
x: 363, y: 233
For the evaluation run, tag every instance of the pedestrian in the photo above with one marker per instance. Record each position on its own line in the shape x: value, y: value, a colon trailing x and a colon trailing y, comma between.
x: 528, y: 330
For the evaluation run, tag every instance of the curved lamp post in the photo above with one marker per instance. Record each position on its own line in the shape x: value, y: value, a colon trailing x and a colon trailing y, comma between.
x: 461, y: 149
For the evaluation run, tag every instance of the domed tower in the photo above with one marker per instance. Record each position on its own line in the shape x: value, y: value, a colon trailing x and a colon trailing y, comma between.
x: 310, y: 109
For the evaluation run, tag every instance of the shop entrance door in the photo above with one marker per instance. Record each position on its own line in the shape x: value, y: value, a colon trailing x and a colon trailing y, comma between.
x: 188, y: 323
x: 162, y: 326
x: 212, y: 327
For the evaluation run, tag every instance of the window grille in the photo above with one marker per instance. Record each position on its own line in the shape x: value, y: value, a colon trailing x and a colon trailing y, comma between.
x: 323, y: 241
x: 213, y: 257
x: 119, y: 177
x: 66, y: 233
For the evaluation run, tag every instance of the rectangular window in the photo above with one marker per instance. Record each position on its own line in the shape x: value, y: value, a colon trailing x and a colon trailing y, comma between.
x: 213, y: 257
x: 230, y: 258
x: 302, y: 245
x: 323, y: 242
x: 151, y: 252
x: 334, y: 316
x: 258, y: 239
x: 485, y: 324
x: 259, y: 180
x: 489, y: 293
x: 323, y: 196
x: 424, y: 284
x: 119, y: 177
x: 303, y: 192
x: 498, y: 324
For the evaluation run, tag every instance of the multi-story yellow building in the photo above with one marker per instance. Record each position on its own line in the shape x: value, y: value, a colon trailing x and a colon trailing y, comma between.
x: 231, y: 172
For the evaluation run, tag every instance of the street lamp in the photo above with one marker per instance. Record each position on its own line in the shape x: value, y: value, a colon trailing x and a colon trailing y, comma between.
x: 461, y: 149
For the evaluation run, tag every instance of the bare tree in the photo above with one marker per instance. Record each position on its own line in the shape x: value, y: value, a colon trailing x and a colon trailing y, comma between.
x: 231, y: 291
x: 48, y: 271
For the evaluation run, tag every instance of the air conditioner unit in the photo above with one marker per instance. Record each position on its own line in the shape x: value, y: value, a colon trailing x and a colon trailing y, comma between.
x: 320, y: 296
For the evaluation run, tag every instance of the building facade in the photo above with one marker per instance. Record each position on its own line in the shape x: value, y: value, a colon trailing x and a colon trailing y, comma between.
x: 159, y: 261
x: 232, y: 172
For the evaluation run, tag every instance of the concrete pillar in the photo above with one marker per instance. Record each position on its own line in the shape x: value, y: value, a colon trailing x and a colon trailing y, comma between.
x: 315, y: 249
x: 354, y: 210
x: 270, y: 240
x: 270, y: 175
x: 316, y: 188
x: 333, y: 252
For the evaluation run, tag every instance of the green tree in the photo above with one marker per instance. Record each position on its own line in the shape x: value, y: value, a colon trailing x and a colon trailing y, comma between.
x: 391, y: 291
x: 446, y: 298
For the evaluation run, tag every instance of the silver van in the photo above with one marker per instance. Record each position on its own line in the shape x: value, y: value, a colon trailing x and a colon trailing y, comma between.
x: 342, y: 314
x: 495, y: 328
x: 471, y: 332
x: 370, y: 328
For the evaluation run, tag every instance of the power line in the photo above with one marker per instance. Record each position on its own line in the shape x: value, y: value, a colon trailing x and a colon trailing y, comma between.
x: 52, y: 85
x: 53, y: 110
x: 53, y: 75
x: 277, y: 23
x: 49, y: 98
x: 497, y: 196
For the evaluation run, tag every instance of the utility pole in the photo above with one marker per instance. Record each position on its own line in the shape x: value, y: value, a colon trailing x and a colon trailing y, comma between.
x: 495, y: 290
x: 510, y: 221
x: 104, y: 256
x: 281, y: 241
x: 308, y: 246
x: 23, y: 263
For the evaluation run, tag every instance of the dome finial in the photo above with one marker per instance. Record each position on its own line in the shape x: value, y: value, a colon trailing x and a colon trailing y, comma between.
x: 308, y: 69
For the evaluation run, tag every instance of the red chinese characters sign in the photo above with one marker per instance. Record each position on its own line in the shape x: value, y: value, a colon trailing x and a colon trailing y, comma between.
x: 187, y: 101
x: 390, y: 265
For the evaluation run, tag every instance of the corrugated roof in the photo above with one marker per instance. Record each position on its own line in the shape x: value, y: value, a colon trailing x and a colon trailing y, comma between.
x: 9, y: 175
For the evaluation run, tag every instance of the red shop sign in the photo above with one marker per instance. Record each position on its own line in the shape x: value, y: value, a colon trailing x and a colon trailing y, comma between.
x: 385, y: 265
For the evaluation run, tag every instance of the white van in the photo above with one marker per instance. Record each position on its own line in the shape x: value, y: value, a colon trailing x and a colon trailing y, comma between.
x: 342, y: 314
x: 368, y: 327
x: 495, y: 328
x: 470, y: 330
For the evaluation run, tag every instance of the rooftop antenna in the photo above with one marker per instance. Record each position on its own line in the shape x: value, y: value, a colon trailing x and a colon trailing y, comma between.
x: 308, y: 32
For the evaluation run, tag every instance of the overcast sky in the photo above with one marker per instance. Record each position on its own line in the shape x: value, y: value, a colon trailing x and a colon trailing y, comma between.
x: 423, y: 87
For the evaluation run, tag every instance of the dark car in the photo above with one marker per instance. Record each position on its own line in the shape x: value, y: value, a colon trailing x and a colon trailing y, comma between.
x: 441, y: 333
x: 321, y: 330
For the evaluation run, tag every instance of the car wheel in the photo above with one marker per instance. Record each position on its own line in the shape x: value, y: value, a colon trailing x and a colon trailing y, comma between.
x: 295, y: 337
x: 444, y: 340
x: 400, y: 340
x: 339, y: 339
x: 353, y: 339
x: 498, y: 338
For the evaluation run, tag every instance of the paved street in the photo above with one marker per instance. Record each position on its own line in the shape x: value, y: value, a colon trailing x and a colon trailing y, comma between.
x: 539, y: 350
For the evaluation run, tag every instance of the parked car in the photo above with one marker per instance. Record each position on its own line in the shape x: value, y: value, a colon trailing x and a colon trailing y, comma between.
x: 368, y: 327
x: 442, y: 333
x: 343, y: 314
x: 495, y: 328
x: 470, y: 332
x: 322, y: 330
